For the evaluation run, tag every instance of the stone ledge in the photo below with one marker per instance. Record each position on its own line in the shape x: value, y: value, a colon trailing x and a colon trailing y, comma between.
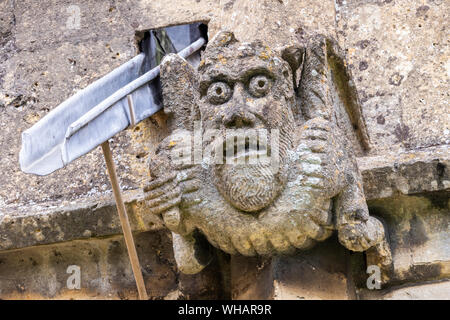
x: 417, y: 171
x: 30, y: 225
x: 58, y: 222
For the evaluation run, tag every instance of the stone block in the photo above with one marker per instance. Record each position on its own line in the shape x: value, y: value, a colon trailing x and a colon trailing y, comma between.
x: 398, y: 54
x: 105, y: 270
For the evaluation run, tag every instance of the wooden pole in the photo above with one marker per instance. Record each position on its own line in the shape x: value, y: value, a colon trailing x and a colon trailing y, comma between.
x: 124, y: 222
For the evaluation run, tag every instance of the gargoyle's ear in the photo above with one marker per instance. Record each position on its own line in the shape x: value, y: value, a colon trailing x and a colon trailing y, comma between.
x: 294, y: 55
x: 179, y: 84
x: 223, y: 38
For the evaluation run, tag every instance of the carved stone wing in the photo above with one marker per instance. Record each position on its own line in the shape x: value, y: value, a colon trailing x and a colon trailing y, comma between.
x: 179, y: 92
x: 326, y: 87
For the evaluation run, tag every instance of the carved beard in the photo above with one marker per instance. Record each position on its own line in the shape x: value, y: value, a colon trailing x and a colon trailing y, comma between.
x: 252, y: 187
x: 249, y: 187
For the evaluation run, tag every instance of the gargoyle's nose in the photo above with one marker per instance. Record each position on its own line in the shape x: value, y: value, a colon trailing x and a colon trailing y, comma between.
x: 238, y: 115
x: 238, y: 119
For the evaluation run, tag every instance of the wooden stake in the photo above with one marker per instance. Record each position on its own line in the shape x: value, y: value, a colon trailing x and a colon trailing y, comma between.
x: 124, y: 222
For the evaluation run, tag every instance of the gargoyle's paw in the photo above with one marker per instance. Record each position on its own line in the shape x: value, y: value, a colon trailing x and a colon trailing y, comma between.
x: 354, y: 215
x: 354, y: 237
x: 190, y: 257
x: 311, y: 169
x: 165, y: 206
x: 184, y: 166
x: 311, y: 165
x: 188, y: 174
x: 318, y: 123
x: 174, y: 193
x: 227, y: 247
x: 297, y: 238
x: 315, y: 224
x: 260, y: 243
x: 160, y: 191
x: 315, y: 182
x: 321, y: 216
x: 280, y: 242
x: 309, y: 227
x: 243, y: 245
x: 317, y: 146
x: 375, y: 231
x: 173, y: 220
x: 178, y: 140
x: 221, y: 241
x: 190, y: 186
x: 160, y: 181
x: 314, y: 134
x: 293, y: 230
x: 190, y: 199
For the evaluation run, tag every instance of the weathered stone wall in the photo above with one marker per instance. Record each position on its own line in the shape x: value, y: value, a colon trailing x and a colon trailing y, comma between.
x: 42, y: 272
x: 397, y: 51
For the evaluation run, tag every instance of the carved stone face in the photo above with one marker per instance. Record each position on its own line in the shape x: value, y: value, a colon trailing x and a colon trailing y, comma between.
x: 245, y: 89
x: 240, y: 86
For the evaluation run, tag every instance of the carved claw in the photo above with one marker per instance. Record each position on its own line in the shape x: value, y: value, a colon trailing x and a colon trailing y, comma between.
x: 360, y: 236
x: 192, y: 253
x: 171, y: 178
x: 173, y: 220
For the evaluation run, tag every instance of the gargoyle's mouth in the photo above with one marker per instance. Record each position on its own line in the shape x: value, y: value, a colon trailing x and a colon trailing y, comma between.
x: 245, y: 150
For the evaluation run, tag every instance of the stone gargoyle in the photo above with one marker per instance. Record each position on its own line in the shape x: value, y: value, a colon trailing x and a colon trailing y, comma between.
x: 305, y: 95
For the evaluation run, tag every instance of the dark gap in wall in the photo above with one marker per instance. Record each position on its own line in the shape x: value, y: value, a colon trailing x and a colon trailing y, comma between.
x: 169, y: 39
x: 156, y: 43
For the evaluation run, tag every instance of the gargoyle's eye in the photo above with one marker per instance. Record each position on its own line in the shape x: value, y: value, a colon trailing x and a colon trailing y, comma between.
x: 218, y: 92
x: 259, y: 86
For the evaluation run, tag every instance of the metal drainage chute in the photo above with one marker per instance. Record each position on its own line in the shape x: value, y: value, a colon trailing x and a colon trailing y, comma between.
x: 122, y: 98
